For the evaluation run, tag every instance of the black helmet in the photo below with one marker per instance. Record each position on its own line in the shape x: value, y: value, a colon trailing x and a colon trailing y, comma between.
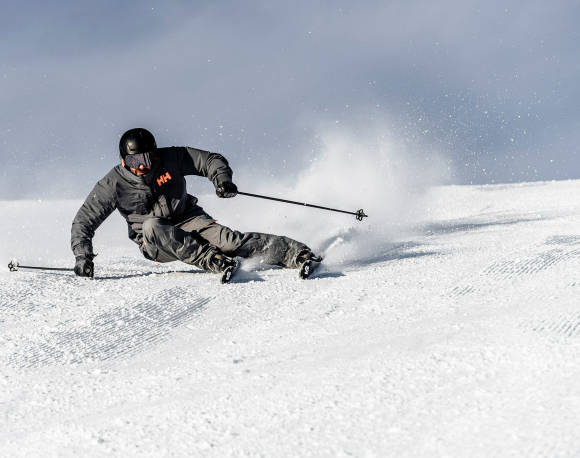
x: 137, y: 141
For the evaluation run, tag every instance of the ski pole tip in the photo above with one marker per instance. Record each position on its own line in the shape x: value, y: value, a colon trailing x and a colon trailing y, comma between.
x: 360, y: 215
x: 13, y: 265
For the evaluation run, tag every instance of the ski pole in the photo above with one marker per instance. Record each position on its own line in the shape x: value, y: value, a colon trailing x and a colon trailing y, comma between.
x: 360, y: 214
x: 13, y: 266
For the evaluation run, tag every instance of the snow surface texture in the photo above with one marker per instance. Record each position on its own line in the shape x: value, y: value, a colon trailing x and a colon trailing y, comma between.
x: 454, y: 332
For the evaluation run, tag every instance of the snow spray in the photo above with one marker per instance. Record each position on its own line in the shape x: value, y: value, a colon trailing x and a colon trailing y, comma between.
x: 369, y: 170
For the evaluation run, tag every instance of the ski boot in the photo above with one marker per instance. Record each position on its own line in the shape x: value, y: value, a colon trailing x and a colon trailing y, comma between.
x: 220, y: 263
x: 307, y: 263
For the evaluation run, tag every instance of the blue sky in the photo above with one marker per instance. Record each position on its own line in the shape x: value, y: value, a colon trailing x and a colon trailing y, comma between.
x: 492, y: 86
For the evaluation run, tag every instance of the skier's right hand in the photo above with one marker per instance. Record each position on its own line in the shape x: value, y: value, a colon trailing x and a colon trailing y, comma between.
x: 226, y: 189
x: 84, y: 266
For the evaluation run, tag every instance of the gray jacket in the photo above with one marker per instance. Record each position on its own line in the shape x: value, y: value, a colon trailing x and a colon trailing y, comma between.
x: 162, y: 192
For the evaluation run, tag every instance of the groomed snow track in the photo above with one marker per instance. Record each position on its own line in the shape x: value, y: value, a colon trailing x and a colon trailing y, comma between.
x: 458, y: 338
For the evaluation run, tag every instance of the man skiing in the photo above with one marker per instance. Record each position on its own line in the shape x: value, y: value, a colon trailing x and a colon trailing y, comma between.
x: 148, y: 188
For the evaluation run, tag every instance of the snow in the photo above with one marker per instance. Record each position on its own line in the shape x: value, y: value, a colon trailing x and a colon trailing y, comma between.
x: 453, y: 333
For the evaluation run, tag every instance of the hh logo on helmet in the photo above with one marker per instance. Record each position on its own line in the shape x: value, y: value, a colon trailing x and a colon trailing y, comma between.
x: 163, y: 179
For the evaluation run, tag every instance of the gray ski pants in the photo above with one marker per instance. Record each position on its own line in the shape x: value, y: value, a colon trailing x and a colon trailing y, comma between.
x: 192, y: 242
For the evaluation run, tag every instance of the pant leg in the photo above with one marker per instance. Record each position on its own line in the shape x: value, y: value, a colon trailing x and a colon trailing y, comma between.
x: 164, y: 242
x: 272, y: 249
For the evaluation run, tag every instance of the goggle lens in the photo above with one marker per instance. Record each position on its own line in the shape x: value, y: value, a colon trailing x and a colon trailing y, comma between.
x: 134, y: 161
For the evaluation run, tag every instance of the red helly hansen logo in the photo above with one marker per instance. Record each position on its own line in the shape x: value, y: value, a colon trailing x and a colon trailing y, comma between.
x: 163, y: 179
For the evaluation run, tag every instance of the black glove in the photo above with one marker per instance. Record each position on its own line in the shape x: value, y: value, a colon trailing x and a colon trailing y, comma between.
x: 84, y: 266
x: 226, y: 189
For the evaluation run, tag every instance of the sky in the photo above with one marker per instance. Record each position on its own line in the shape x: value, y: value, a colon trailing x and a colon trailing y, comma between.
x: 489, y: 88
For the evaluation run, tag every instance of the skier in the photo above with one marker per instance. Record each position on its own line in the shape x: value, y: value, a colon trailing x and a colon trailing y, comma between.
x: 148, y: 188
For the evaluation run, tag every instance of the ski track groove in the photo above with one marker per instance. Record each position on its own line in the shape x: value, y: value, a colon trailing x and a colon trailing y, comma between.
x: 566, y: 324
x: 512, y: 269
x: 125, y: 330
x: 509, y: 269
x: 563, y: 240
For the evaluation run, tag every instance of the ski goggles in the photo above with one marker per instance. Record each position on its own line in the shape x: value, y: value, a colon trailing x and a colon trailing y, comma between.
x: 134, y: 161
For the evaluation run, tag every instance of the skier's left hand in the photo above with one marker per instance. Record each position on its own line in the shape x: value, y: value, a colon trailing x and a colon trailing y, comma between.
x: 84, y: 266
x: 226, y: 189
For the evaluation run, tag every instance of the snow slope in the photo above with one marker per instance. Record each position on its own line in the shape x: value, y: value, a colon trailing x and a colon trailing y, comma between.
x: 455, y: 334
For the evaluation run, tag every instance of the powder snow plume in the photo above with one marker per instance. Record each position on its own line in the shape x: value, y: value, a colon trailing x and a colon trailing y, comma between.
x: 369, y: 170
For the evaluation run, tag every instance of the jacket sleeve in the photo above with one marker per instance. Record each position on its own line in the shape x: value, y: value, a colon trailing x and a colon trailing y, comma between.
x: 99, y: 204
x: 203, y: 163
